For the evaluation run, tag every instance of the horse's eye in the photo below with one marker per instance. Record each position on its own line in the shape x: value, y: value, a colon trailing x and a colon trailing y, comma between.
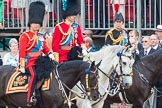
x: 124, y: 63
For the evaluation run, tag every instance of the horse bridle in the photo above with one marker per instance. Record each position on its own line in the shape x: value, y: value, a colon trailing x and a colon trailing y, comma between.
x: 143, y: 78
x: 88, y: 88
x: 120, y: 65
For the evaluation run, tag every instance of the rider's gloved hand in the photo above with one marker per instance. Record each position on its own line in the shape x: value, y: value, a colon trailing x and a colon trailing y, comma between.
x: 51, y: 56
x: 22, y: 70
x: 84, y: 52
x: 22, y: 65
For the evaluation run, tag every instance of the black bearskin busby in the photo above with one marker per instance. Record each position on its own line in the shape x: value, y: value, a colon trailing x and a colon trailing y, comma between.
x: 36, y: 12
x: 70, y: 7
x: 119, y: 16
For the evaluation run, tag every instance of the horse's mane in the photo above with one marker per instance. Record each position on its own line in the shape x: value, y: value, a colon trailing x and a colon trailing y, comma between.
x: 153, y: 55
x: 8, y: 68
x: 75, y: 64
x: 156, y: 53
x: 44, y: 66
x: 74, y: 52
x: 106, y: 50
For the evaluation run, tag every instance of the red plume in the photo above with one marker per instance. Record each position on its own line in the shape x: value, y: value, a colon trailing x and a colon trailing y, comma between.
x: 116, y: 6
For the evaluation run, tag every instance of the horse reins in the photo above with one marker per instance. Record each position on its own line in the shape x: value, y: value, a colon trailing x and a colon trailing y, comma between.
x: 89, y: 60
x: 143, y: 78
x: 61, y: 86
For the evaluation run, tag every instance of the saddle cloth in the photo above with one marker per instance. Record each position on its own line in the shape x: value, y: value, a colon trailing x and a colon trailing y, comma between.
x: 18, y: 82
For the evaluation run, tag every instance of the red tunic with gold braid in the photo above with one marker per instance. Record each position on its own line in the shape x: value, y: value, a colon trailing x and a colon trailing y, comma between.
x: 65, y: 37
x: 31, y: 45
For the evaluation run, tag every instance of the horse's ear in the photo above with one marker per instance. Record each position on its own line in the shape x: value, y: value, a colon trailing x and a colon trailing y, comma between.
x: 132, y: 49
x: 99, y: 63
x: 93, y: 64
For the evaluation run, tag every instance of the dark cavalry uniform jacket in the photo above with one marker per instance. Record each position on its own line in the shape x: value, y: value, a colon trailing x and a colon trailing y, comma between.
x: 116, y: 37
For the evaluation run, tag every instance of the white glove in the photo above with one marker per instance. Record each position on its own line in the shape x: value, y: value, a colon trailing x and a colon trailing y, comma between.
x: 22, y: 70
x: 51, y: 56
x: 84, y: 52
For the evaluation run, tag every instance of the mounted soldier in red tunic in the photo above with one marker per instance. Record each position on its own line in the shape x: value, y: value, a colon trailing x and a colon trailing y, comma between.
x: 67, y: 34
x: 31, y: 45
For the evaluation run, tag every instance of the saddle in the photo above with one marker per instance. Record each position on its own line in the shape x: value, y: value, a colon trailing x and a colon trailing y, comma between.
x: 18, y: 82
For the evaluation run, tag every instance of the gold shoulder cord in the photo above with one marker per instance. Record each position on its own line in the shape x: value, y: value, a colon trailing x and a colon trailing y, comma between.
x: 108, y: 33
x: 34, y: 39
x: 115, y: 41
x: 65, y: 34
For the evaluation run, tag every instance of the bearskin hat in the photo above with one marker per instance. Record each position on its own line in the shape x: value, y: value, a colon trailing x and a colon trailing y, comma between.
x: 36, y: 12
x: 70, y: 7
x: 119, y: 16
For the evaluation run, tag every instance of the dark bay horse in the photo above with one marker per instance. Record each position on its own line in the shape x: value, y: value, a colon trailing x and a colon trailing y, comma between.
x: 70, y: 73
x: 147, y: 72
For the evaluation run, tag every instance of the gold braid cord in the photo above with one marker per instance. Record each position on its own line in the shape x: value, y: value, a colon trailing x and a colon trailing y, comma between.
x: 22, y: 62
x: 115, y: 41
x: 65, y: 35
x: 34, y: 39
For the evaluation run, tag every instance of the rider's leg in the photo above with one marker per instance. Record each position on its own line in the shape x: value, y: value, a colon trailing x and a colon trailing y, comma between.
x: 32, y: 83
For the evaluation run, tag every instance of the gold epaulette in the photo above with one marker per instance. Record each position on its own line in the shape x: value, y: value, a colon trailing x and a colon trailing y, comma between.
x: 115, y: 41
x: 64, y: 33
x: 34, y: 39
x: 108, y: 33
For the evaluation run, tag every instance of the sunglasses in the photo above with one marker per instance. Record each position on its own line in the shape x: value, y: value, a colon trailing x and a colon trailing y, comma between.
x: 144, y: 41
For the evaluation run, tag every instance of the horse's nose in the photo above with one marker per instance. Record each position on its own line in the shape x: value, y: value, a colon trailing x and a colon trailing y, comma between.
x: 95, y: 97
x: 127, y: 84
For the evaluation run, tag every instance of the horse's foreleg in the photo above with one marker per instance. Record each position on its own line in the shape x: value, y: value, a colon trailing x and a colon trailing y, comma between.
x: 83, y: 103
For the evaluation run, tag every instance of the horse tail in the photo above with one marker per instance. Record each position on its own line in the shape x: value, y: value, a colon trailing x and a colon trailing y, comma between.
x: 44, y: 66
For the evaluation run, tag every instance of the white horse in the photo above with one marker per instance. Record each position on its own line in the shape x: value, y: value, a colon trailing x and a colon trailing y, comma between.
x: 111, y: 60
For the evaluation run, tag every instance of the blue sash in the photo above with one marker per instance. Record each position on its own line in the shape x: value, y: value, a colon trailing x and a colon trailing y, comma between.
x: 70, y: 37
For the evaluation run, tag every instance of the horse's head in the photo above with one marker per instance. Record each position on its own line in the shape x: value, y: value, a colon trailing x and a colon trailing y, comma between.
x: 124, y: 66
x: 90, y: 81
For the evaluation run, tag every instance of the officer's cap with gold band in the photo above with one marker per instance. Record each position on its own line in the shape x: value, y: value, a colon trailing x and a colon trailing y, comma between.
x: 70, y: 7
x: 119, y: 17
x: 36, y: 12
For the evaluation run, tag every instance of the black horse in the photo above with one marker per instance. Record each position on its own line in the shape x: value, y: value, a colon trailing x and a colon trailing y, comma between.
x: 147, y: 72
x: 69, y: 74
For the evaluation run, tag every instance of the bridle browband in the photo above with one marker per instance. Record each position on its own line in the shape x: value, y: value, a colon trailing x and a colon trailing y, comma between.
x: 120, y: 65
